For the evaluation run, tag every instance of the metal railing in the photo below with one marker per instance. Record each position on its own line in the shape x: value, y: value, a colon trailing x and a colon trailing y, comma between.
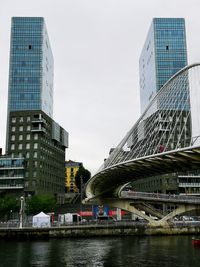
x: 158, y: 196
x: 95, y: 223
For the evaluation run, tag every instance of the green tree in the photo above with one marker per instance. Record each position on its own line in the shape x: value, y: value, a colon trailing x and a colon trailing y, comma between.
x: 38, y: 203
x: 8, y: 204
x: 83, y: 174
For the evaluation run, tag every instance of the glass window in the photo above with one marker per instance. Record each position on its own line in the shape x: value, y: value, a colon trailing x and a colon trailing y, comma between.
x: 28, y: 128
x: 20, y: 146
x: 28, y: 137
x: 35, y: 136
x: 20, y: 128
x: 13, y: 119
x: 20, y: 155
x: 28, y: 118
x: 35, y: 145
x: 35, y: 163
x: 12, y: 147
x: 20, y: 137
x: 21, y: 119
x: 12, y: 137
x: 27, y: 155
x: 13, y: 129
x: 35, y: 154
x: 28, y: 146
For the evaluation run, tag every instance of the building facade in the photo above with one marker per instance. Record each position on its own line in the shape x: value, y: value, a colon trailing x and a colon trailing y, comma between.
x: 31, y: 131
x: 71, y: 168
x: 164, y: 54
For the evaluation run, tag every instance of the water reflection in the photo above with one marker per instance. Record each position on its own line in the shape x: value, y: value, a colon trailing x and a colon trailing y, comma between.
x: 173, y: 251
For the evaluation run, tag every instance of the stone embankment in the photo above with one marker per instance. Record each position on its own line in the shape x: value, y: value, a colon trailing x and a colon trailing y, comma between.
x: 94, y: 231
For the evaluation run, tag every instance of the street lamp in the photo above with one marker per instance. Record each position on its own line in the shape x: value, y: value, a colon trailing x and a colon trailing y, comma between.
x: 21, y: 211
x: 81, y: 178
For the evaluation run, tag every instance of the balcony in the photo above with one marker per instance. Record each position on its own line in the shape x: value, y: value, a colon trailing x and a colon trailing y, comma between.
x: 38, y: 128
x: 7, y: 186
x: 189, y: 185
x: 38, y: 120
x: 4, y: 177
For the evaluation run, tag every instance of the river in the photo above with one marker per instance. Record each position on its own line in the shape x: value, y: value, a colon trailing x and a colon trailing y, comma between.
x: 151, y: 251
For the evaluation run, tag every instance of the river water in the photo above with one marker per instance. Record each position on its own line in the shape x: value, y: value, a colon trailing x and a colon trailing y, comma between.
x: 154, y: 251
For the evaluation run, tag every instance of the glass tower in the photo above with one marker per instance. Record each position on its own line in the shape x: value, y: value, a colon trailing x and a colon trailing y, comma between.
x: 164, y: 53
x: 31, y: 66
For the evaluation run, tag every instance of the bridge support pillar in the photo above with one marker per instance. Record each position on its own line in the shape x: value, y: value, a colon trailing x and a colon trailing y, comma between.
x: 126, y: 204
x: 181, y: 209
x: 119, y: 216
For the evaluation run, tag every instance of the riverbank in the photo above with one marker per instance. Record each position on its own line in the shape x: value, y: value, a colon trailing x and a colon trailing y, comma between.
x: 95, y: 231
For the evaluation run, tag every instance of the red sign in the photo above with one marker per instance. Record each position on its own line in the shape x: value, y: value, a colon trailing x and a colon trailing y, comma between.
x: 89, y: 213
x: 85, y: 213
x: 114, y: 213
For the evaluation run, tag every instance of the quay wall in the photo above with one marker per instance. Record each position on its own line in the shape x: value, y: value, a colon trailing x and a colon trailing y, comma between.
x: 94, y: 231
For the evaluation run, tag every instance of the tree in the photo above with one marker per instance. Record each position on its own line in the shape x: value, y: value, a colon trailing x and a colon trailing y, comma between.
x: 38, y: 203
x: 83, y: 174
x: 7, y: 204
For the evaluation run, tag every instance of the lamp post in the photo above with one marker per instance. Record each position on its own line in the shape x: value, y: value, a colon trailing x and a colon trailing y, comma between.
x: 81, y: 178
x: 21, y: 211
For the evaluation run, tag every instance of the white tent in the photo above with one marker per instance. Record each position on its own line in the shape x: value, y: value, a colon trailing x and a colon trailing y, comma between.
x: 41, y: 220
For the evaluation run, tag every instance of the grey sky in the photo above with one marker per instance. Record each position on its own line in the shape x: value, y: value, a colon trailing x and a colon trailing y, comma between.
x: 96, y: 46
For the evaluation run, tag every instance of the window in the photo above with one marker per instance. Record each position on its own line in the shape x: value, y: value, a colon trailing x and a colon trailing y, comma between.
x: 28, y: 137
x: 35, y: 137
x: 167, y: 47
x: 34, y: 163
x: 20, y: 155
x: 13, y: 120
x: 23, y: 64
x: 20, y: 137
x: 29, y: 47
x: 12, y: 147
x: 12, y: 137
x: 28, y: 146
x: 27, y: 155
x: 20, y: 146
x: 35, y: 154
x: 28, y: 119
x: 20, y: 128
x: 35, y: 145
x: 28, y: 128
x: 21, y: 119
x: 13, y: 129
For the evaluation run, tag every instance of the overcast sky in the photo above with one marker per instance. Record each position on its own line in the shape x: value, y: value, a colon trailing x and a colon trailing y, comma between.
x: 96, y: 46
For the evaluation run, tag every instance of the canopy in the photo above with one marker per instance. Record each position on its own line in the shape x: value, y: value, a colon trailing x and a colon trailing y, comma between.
x: 41, y: 220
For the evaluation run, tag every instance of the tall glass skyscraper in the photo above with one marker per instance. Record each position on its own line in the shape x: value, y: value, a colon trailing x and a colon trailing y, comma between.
x: 164, y: 53
x: 32, y: 134
x: 31, y: 66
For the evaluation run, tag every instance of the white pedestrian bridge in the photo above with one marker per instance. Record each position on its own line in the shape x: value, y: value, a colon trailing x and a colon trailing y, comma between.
x: 165, y: 139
